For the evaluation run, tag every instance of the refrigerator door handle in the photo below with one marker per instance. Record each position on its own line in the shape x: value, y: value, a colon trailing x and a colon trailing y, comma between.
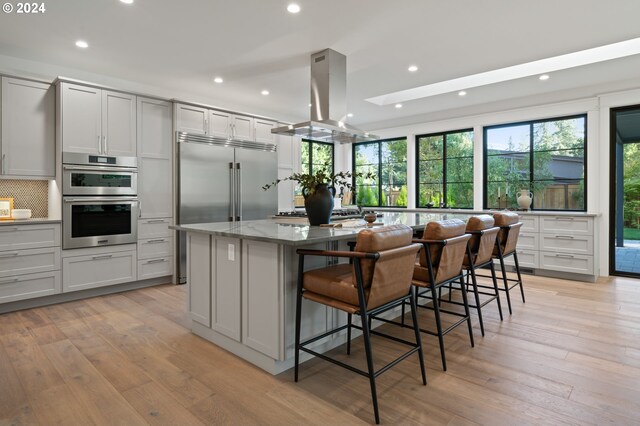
x: 239, y: 192
x: 232, y: 202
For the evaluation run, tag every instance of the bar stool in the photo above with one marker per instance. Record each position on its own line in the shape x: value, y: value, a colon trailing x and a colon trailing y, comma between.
x: 506, y: 246
x: 440, y: 263
x: 378, y: 280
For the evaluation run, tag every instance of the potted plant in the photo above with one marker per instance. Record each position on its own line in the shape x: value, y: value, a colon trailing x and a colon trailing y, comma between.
x: 319, y: 189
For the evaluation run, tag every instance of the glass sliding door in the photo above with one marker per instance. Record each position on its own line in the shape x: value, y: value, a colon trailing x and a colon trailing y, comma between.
x: 624, y: 226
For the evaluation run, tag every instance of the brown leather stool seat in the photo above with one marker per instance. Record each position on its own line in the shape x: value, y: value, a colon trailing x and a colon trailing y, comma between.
x: 440, y: 263
x: 379, y: 279
x: 509, y: 224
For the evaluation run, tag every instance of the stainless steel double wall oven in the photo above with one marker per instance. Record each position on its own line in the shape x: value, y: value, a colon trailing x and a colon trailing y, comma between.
x: 100, y: 202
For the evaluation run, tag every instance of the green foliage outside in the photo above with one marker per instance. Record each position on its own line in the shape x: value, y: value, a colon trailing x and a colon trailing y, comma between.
x: 387, y: 160
x: 632, y: 191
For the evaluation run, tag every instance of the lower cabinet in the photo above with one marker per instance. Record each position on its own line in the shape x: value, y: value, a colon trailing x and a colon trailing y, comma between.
x: 154, y: 268
x: 29, y: 261
x: 199, y: 273
x: 29, y: 286
x: 98, y: 267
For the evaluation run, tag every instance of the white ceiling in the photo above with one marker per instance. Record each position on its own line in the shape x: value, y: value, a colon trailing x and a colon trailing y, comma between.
x: 256, y: 45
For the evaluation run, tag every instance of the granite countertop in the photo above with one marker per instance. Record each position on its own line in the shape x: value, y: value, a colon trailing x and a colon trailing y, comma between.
x: 32, y: 221
x: 470, y: 212
x: 296, y: 233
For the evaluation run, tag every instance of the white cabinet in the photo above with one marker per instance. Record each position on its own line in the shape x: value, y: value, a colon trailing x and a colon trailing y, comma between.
x: 154, y: 228
x: 155, y: 248
x: 225, y: 286
x: 98, y: 267
x: 28, y: 129
x: 29, y: 261
x: 99, y: 122
x: 263, y: 130
x: 199, y: 273
x: 573, y: 225
x: 155, y: 169
x: 155, y: 268
x: 192, y: 119
x: 223, y: 124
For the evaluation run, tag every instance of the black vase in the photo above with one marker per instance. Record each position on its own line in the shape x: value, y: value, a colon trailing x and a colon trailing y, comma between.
x: 319, y: 205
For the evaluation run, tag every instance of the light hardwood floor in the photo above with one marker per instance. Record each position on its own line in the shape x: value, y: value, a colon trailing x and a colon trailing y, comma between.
x: 570, y: 355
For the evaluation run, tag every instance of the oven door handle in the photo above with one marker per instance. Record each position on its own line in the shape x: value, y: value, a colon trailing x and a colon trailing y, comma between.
x: 101, y: 169
x: 103, y: 200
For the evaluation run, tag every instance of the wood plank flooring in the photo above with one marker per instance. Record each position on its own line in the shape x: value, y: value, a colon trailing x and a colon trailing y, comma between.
x: 570, y: 355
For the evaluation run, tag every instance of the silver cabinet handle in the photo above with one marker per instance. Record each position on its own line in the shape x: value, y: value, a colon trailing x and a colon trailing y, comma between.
x: 159, y: 240
x: 565, y: 255
x: 99, y: 146
x: 139, y: 209
x: 239, y: 191
x: 6, y: 229
x: 156, y: 221
x: 13, y: 280
x: 10, y: 254
x: 566, y: 237
x: 104, y: 138
x: 156, y: 261
x: 106, y: 256
x: 232, y: 193
x: 564, y: 218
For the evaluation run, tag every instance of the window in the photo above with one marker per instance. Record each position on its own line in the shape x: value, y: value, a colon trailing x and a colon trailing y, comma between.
x: 445, y: 169
x: 314, y: 155
x: 387, y: 159
x: 546, y: 157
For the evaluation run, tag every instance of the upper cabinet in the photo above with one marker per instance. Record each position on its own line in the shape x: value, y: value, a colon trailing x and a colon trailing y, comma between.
x: 223, y: 124
x: 263, y: 130
x: 96, y: 121
x: 28, y: 129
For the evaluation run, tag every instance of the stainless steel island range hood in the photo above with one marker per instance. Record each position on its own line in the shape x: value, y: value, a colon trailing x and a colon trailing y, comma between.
x: 328, y: 104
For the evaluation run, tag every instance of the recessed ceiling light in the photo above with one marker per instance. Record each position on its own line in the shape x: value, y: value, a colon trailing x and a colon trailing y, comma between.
x: 127, y: 1
x: 462, y: 93
x: 265, y: 92
x: 544, y: 77
x: 349, y: 115
x: 218, y: 80
x: 293, y: 8
x: 413, y: 68
x: 398, y: 105
x: 567, y: 61
x: 82, y: 44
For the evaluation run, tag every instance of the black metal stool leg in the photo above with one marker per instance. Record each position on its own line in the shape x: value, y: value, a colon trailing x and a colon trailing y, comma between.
x: 416, y: 330
x: 515, y: 259
x: 495, y: 287
x: 298, y: 315
x: 506, y: 283
x: 349, y: 319
x: 467, y: 312
x: 474, y: 284
x: 372, y: 378
x: 436, y: 311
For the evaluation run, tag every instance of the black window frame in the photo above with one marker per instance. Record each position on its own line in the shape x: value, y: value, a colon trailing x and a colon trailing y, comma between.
x: 444, y: 165
x: 531, y: 123
x: 311, y: 143
x: 378, y: 172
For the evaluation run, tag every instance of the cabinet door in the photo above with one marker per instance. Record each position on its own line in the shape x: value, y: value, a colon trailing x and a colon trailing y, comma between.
x: 91, y: 271
x: 225, y: 286
x: 199, y: 273
x: 154, y: 128
x: 192, y: 119
x: 219, y: 124
x: 263, y: 131
x: 242, y: 128
x: 28, y: 129
x: 118, y: 123
x: 81, y: 119
x: 155, y: 187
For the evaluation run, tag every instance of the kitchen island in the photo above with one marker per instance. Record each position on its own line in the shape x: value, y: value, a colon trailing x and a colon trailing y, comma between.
x: 242, y: 283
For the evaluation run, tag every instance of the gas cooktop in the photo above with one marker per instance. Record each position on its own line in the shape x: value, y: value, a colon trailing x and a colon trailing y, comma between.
x: 337, y: 214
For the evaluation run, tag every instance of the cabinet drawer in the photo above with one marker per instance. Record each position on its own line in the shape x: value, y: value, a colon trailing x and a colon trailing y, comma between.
x: 83, y: 272
x: 578, y: 244
x: 570, y: 225
x: 153, y: 268
x: 29, y: 286
x: 29, y: 261
x: 528, y: 241
x: 154, y: 228
x: 155, y: 247
x: 575, y: 263
x: 526, y: 259
x: 529, y: 223
x: 29, y: 236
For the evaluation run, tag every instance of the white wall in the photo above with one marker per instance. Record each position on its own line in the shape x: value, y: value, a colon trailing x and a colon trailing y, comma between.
x: 597, y: 162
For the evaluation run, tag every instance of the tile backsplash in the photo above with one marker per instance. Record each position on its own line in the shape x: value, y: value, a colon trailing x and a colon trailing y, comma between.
x: 27, y: 194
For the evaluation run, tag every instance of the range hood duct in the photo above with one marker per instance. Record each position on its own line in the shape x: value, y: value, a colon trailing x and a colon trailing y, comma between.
x: 328, y: 104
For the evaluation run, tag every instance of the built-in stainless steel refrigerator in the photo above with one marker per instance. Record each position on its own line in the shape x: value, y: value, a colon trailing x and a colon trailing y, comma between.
x: 221, y: 180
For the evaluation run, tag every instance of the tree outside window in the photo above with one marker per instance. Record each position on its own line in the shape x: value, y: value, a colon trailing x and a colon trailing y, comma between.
x: 545, y: 157
x: 445, y: 169
x: 387, y: 159
x: 314, y: 156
